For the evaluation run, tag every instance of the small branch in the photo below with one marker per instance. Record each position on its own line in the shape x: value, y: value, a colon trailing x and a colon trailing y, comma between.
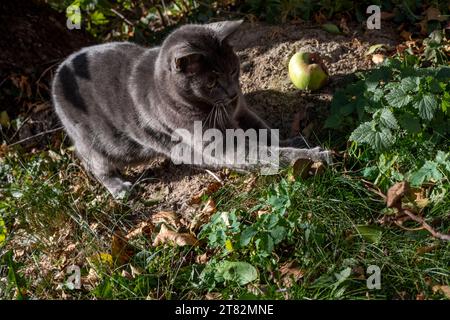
x: 117, y: 13
x: 35, y: 136
x: 426, y: 226
x: 214, y: 176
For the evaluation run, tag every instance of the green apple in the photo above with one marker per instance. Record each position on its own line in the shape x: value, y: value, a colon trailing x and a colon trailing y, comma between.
x: 307, y: 71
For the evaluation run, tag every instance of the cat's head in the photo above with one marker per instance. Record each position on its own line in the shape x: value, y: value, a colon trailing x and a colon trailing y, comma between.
x: 200, y: 63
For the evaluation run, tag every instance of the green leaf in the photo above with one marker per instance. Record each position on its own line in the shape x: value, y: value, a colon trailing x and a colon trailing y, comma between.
x: 387, y: 118
x: 364, y: 133
x: 383, y: 139
x: 398, y: 98
x: 2, y: 232
x: 331, y: 28
x: 409, y: 123
x: 247, y: 235
x: 427, y: 105
x: 370, y: 233
x: 410, y: 83
x: 236, y: 271
x: 278, y: 233
x: 429, y: 171
x: 265, y: 243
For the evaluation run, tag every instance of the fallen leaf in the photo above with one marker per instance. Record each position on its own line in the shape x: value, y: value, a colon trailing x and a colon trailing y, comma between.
x: 426, y: 249
x: 212, y: 188
x: 301, y: 168
x: 396, y: 193
x: 375, y: 48
x: 203, y: 217
x: 434, y: 14
x: 168, y: 236
x: 343, y: 25
x: 444, y: 289
x: 290, y: 274
x: 145, y: 228
x: 419, y: 197
x: 213, y: 296
x: 250, y: 183
x: 201, y: 259
x: 320, y: 18
x: 378, y: 58
x: 406, y: 35
x: 317, y: 168
x: 387, y: 15
x: 168, y: 217
x: 121, y: 251
x: 4, y: 119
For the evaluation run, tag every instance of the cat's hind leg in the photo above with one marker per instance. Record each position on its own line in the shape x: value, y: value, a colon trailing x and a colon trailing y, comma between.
x: 105, y: 171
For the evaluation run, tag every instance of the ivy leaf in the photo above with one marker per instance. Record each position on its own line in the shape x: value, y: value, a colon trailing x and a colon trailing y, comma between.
x: 427, y: 105
x: 387, y: 118
x: 236, y: 271
x: 398, y: 98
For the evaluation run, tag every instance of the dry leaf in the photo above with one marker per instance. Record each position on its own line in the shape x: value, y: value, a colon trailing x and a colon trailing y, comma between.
x: 434, y: 14
x: 201, y: 259
x: 343, y: 25
x: 209, y: 190
x: 145, y: 228
x: 203, y: 217
x: 317, y: 168
x: 427, y: 249
x: 387, y: 15
x: 406, y: 35
x: 378, y: 58
x: 166, y: 235
x: 395, y: 194
x: 444, y: 289
x: 290, y: 274
x: 213, y: 296
x: 168, y: 217
x: 121, y: 251
x: 419, y: 197
x: 250, y: 183
x: 301, y: 168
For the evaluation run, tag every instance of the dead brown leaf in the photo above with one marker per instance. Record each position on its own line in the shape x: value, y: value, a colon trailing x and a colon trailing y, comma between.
x: 209, y: 190
x: 434, y: 14
x: 166, y: 217
x: 387, y: 15
x: 168, y: 236
x: 396, y: 193
x: 290, y: 274
x: 406, y: 35
x: 145, y: 228
x: 203, y: 216
x: 121, y: 251
x: 444, y: 289
x: 378, y: 58
x: 317, y: 168
x: 201, y: 259
x: 419, y: 197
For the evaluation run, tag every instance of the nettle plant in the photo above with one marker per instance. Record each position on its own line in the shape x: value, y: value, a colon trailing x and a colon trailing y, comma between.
x: 402, y: 119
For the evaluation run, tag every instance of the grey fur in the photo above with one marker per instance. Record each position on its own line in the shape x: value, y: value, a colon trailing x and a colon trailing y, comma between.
x: 120, y: 103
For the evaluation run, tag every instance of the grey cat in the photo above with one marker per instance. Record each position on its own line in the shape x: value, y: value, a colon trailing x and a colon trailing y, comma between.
x: 120, y: 103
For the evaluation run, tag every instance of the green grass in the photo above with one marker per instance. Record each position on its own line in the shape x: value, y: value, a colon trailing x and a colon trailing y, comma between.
x: 48, y: 203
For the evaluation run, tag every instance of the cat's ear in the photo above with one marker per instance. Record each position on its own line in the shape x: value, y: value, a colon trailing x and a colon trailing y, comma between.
x: 189, y: 63
x: 225, y: 29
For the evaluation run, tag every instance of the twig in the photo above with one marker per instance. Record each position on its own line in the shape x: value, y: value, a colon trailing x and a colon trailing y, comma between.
x: 214, y: 176
x: 35, y: 136
x: 426, y: 226
x: 117, y: 13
